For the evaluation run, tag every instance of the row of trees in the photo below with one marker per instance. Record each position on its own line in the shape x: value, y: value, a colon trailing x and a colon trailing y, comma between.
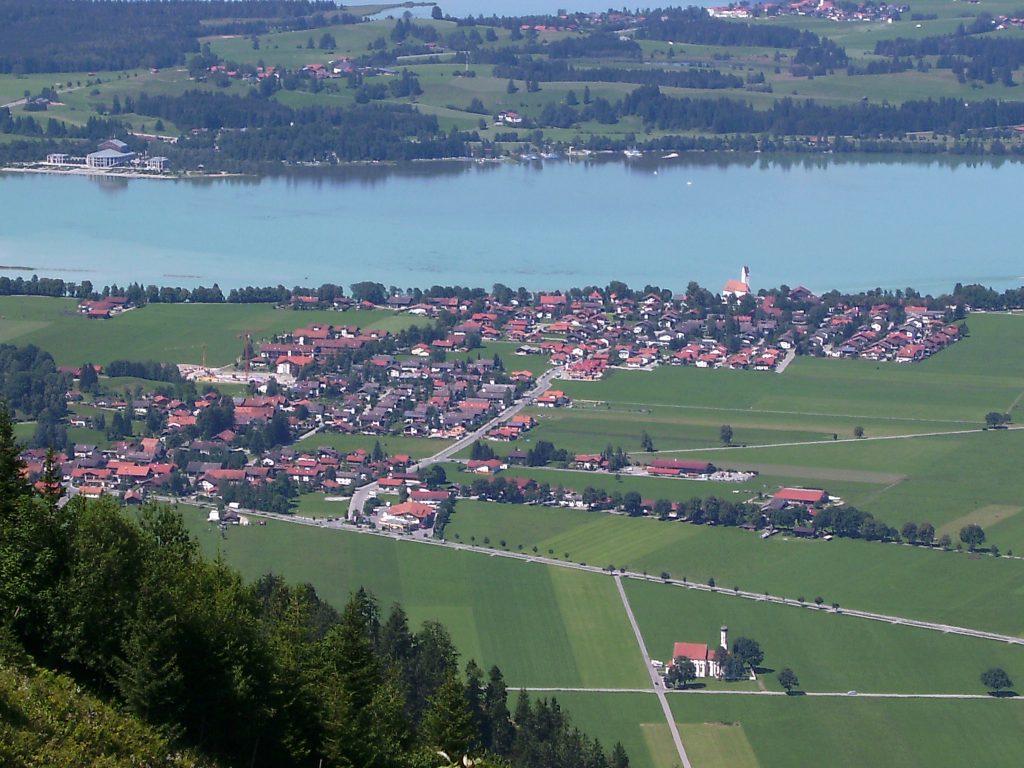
x: 553, y: 70
x: 132, y: 610
x: 789, y: 117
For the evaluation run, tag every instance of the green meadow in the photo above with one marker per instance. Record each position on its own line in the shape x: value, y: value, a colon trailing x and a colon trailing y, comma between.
x: 956, y: 588
x: 780, y: 732
x: 797, y: 429
x: 829, y: 652
x: 543, y: 626
x: 173, y: 333
x: 958, y: 386
x: 416, y: 447
x: 634, y: 719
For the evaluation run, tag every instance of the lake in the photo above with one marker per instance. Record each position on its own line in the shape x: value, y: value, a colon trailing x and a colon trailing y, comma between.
x: 824, y: 224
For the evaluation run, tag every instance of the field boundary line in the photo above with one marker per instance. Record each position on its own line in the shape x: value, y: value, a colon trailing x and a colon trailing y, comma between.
x: 949, y: 629
x: 724, y: 409
x: 656, y: 683
x: 821, y: 442
x: 821, y: 694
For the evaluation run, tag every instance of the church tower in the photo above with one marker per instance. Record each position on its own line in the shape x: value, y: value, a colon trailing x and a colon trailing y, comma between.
x: 724, y: 643
x: 745, y: 275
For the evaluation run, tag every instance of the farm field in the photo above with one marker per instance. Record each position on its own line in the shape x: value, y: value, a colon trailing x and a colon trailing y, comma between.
x: 922, y: 425
x: 829, y: 652
x: 779, y: 732
x: 174, y: 333
x: 956, y: 588
x: 417, y: 447
x: 499, y: 611
x: 960, y: 385
x: 316, y: 505
x: 635, y: 719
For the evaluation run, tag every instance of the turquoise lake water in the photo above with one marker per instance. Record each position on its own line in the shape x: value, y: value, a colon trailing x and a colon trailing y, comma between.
x: 846, y: 225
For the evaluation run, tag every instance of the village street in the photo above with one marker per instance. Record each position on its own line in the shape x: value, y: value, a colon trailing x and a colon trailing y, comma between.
x: 362, y: 493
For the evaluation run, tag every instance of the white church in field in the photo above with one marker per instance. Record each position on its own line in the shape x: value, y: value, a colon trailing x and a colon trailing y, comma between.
x: 702, y: 656
x: 737, y: 289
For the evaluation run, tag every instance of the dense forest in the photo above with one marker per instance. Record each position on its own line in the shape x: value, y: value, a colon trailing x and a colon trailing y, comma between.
x: 263, y: 674
x: 31, y: 384
x: 968, y: 52
x: 81, y: 35
x: 789, y: 117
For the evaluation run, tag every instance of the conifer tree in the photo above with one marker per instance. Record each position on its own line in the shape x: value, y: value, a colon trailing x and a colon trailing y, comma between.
x: 448, y: 724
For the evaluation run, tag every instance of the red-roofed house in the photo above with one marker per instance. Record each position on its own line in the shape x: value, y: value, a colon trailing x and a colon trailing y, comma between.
x: 801, y: 495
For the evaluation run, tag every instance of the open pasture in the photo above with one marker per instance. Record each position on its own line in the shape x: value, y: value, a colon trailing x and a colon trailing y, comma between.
x: 949, y: 480
x: 543, y: 626
x: 955, y: 588
x: 828, y: 651
x: 417, y: 447
x: 634, y: 719
x: 173, y: 333
x: 851, y: 732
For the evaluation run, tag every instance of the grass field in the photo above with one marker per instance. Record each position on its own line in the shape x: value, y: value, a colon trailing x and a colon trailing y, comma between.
x: 918, y: 478
x: 974, y: 591
x: 316, y: 505
x: 848, y: 732
x: 175, y: 333
x: 829, y: 652
x: 543, y: 626
x: 417, y: 447
x: 634, y: 719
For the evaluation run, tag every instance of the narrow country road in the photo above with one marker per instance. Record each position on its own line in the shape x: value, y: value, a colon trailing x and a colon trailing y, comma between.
x: 826, y: 442
x: 364, y: 492
x: 789, y: 358
x: 822, y: 694
x: 656, y: 682
x: 948, y: 629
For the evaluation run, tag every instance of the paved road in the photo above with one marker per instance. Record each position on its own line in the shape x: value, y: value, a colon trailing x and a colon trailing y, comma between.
x: 656, y: 682
x: 830, y: 442
x: 782, y: 366
x: 823, y: 694
x: 949, y: 629
x: 362, y: 493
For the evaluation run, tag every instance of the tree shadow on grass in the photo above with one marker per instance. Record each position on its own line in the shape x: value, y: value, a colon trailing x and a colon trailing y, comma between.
x: 1003, y: 694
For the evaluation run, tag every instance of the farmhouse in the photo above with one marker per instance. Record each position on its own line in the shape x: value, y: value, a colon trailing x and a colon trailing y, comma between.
x: 701, y: 655
x: 807, y: 496
x: 680, y: 468
x: 553, y: 398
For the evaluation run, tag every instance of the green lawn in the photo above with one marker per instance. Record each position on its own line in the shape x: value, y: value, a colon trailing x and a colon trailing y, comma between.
x: 316, y: 505
x: 177, y: 333
x: 634, y: 719
x: 417, y: 447
x: 848, y: 732
x: 543, y: 626
x: 828, y: 651
x: 956, y: 588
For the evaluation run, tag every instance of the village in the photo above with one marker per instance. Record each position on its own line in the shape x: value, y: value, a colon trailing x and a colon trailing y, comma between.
x: 431, y: 381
